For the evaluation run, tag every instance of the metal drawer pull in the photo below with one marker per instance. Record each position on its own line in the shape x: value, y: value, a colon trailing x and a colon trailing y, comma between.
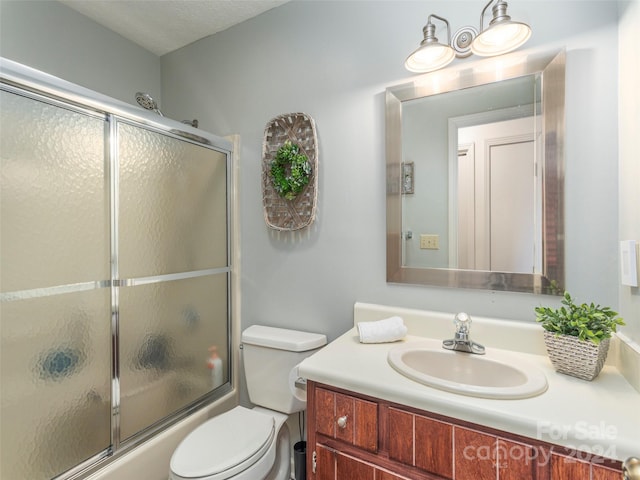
x: 631, y: 468
x: 342, y: 421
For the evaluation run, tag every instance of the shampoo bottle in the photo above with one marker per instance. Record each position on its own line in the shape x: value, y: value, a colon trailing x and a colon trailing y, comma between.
x: 215, y: 365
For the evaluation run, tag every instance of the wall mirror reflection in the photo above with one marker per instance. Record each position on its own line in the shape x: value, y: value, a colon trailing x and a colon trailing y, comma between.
x: 485, y: 146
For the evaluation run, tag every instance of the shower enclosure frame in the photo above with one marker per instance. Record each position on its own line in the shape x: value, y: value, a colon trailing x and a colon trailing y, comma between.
x: 27, y: 82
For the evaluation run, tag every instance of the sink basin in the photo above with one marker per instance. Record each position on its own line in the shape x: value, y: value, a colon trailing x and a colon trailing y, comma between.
x: 498, y: 374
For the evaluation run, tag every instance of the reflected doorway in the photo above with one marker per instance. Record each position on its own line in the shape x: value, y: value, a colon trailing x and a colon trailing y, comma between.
x: 497, y: 226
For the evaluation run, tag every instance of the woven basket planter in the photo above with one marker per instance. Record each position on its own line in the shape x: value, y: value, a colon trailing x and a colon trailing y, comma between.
x: 279, y: 213
x: 575, y: 357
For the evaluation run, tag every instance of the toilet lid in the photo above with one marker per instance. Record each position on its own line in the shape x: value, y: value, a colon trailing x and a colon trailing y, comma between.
x: 237, y: 438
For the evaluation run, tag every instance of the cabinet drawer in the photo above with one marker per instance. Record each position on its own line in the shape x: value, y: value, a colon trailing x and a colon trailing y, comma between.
x: 346, y: 418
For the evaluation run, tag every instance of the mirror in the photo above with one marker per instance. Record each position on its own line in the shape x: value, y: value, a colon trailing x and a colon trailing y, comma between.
x: 475, y: 176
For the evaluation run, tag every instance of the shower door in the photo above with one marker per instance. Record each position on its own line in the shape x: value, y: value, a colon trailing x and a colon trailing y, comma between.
x: 172, y: 251
x: 114, y: 282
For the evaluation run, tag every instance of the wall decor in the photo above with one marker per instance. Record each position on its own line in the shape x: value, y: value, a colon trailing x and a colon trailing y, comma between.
x: 290, y: 172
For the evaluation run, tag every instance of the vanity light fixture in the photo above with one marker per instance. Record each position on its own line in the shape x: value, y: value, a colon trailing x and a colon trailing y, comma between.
x: 502, y: 35
x: 431, y: 55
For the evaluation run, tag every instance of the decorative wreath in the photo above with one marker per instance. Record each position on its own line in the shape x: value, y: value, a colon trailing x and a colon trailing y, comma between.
x: 288, y: 158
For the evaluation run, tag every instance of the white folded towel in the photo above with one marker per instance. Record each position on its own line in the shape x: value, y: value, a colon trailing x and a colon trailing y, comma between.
x: 388, y: 330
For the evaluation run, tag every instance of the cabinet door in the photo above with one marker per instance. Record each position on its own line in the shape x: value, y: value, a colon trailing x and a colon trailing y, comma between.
x: 383, y: 475
x: 366, y: 430
x: 401, y: 439
x: 348, y: 468
x: 568, y: 468
x: 325, y: 464
x: 421, y: 442
x: 434, y: 446
x: 516, y: 461
x: 603, y: 473
x: 483, y: 456
x: 475, y: 455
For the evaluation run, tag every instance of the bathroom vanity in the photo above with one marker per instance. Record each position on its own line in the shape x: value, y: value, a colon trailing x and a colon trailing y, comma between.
x: 367, y: 421
x: 360, y: 437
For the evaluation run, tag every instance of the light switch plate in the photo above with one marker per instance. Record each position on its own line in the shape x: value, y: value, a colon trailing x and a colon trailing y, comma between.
x: 628, y: 263
x: 429, y: 242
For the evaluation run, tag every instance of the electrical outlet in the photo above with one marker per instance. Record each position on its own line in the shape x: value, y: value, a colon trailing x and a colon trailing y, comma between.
x: 429, y: 242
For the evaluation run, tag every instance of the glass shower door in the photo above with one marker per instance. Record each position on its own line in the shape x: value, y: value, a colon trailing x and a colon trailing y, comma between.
x: 114, y: 282
x: 55, y: 353
x: 173, y: 265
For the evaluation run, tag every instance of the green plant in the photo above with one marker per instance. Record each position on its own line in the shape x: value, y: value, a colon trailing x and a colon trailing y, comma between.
x: 290, y: 170
x: 586, y: 321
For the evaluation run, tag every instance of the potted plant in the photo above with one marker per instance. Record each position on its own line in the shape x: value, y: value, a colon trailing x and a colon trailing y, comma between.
x: 577, y: 336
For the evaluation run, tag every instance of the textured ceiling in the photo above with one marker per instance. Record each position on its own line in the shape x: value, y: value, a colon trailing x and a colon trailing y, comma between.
x: 162, y: 26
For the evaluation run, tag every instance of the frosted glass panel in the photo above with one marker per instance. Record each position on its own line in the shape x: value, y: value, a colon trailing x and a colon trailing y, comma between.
x: 172, y: 197
x: 55, y: 383
x: 53, y: 200
x: 166, y: 330
x: 56, y: 344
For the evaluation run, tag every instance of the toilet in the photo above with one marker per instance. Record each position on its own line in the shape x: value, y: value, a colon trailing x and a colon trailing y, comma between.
x: 252, y: 443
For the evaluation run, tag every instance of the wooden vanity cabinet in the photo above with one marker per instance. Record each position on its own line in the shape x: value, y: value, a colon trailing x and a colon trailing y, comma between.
x: 355, y: 437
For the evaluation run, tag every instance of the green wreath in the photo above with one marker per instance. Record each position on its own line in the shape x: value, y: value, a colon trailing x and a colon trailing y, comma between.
x: 288, y: 158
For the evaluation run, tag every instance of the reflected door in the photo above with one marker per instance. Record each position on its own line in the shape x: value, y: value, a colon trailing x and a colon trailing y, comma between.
x: 496, y: 197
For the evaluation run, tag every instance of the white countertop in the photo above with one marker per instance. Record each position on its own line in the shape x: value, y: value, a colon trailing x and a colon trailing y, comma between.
x: 600, y: 417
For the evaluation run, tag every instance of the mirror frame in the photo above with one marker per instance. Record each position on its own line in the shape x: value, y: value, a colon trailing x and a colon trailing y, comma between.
x: 551, y: 67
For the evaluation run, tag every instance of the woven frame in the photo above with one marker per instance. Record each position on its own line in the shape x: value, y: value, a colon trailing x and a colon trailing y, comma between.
x: 280, y: 213
x: 575, y: 357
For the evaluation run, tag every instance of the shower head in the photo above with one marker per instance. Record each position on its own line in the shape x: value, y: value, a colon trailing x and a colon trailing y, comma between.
x: 146, y: 101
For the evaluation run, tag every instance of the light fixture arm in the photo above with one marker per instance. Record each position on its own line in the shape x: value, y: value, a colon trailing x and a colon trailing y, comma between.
x: 482, y: 15
x: 430, y: 29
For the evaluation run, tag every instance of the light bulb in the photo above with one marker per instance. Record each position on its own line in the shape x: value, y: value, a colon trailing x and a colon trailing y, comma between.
x: 429, y: 58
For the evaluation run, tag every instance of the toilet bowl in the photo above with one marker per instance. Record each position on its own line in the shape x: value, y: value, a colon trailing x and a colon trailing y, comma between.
x: 241, y: 444
x: 252, y: 444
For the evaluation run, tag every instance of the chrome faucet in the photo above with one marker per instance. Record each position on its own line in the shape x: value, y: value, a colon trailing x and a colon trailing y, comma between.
x: 461, y: 341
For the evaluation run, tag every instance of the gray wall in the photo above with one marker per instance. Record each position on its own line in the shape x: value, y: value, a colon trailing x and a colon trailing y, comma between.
x: 52, y: 37
x: 629, y: 121
x: 333, y: 61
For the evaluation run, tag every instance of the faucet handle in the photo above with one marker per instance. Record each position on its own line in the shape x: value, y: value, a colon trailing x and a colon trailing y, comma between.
x: 462, y: 321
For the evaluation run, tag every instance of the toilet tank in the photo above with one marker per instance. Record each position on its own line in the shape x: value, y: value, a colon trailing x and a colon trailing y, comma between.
x: 271, y: 356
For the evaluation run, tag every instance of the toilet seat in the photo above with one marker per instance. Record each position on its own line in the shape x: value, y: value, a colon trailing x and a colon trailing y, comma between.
x: 224, y: 445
